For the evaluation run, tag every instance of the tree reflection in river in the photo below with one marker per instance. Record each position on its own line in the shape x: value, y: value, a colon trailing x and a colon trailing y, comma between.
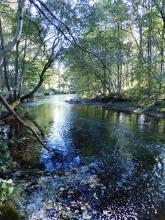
x: 126, y: 151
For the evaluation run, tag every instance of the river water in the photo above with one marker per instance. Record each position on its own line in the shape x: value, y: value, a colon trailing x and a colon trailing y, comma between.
x: 125, y: 151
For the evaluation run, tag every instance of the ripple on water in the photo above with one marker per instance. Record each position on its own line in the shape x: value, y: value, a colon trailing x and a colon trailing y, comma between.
x: 127, y: 153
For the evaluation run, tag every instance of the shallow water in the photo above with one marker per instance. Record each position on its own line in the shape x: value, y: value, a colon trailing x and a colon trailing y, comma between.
x: 125, y: 151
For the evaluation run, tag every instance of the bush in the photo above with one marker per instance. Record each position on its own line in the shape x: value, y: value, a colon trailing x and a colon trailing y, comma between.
x: 5, y: 157
x: 6, y: 190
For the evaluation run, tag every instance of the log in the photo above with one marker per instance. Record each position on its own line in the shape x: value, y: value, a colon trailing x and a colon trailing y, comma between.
x: 20, y: 120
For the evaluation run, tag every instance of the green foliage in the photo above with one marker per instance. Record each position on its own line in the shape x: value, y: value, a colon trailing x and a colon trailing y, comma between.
x: 10, y: 193
x: 5, y: 157
x: 132, y: 58
x: 126, y: 37
x: 6, y: 190
x: 10, y: 197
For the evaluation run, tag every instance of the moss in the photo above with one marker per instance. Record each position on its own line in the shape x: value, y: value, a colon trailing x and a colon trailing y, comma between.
x: 8, y: 213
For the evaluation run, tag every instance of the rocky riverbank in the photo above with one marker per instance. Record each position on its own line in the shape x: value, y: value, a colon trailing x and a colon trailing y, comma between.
x: 155, y: 109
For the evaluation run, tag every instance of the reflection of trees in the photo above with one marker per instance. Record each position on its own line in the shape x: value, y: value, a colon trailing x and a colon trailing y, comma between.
x: 128, y: 159
x: 42, y: 114
x: 88, y: 131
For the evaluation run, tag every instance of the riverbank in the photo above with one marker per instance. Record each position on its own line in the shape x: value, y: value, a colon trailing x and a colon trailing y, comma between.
x: 154, y: 110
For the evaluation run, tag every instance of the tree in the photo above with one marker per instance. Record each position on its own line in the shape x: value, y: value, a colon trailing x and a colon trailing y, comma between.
x: 129, y: 38
x: 7, y: 48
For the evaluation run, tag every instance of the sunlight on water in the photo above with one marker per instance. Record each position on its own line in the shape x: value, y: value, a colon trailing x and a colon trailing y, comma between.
x: 126, y: 151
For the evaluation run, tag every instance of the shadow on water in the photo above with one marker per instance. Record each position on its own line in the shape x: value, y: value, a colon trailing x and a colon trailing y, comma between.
x: 125, y: 151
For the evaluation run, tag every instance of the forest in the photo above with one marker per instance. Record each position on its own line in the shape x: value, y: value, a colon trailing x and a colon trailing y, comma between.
x: 82, y: 109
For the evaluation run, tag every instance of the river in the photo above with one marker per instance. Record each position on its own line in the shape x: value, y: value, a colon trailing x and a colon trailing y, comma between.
x: 125, y: 153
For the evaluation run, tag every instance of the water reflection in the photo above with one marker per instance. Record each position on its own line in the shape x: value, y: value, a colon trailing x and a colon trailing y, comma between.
x: 128, y: 150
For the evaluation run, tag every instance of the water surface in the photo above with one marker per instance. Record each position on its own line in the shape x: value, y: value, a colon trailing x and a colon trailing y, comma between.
x: 126, y: 151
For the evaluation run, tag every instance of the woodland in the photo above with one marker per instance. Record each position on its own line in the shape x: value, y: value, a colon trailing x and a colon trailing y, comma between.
x: 104, y: 51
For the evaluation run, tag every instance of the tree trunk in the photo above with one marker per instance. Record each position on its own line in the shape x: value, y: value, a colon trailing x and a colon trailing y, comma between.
x: 5, y: 70
x: 15, y: 90
x: 23, y: 69
x: 41, y: 80
x: 19, y: 25
x: 16, y: 64
x: 149, y: 47
x: 11, y: 110
x: 162, y: 57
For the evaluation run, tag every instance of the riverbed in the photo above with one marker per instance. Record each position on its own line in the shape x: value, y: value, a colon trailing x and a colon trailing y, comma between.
x: 110, y: 165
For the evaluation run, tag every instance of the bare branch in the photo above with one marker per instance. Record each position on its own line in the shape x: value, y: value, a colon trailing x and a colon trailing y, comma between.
x: 38, y: 29
x: 47, y: 65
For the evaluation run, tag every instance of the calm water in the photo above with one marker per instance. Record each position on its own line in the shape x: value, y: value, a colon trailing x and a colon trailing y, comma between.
x: 127, y: 151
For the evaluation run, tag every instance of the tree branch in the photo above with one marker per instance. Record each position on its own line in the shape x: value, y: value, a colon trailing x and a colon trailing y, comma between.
x: 11, y: 110
x: 38, y: 29
x: 73, y: 41
x: 41, y: 77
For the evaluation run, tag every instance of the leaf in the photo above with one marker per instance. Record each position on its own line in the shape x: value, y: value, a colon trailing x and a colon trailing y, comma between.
x: 15, y: 104
x: 70, y: 215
